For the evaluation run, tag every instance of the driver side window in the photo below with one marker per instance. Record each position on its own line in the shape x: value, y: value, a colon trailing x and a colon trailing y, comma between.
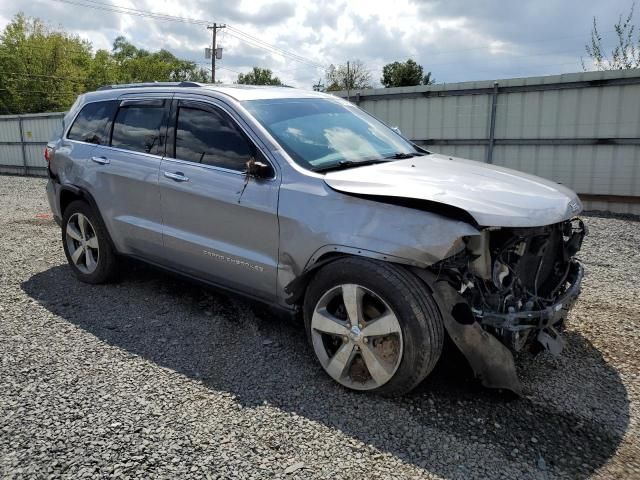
x: 211, y: 138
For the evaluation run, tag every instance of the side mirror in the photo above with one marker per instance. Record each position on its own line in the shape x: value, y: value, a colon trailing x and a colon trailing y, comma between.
x: 258, y: 169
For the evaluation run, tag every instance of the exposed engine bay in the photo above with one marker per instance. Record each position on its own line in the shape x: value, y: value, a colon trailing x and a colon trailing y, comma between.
x: 519, y: 283
x: 506, y: 289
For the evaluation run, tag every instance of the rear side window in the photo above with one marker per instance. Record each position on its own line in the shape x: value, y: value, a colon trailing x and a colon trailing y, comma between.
x: 93, y: 123
x: 137, y: 128
x: 211, y: 138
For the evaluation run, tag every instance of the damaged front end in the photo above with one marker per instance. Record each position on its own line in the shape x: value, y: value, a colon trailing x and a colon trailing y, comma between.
x: 509, y: 288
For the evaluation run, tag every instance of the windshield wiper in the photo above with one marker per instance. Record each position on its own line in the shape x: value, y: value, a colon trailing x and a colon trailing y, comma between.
x: 344, y: 164
x: 402, y: 156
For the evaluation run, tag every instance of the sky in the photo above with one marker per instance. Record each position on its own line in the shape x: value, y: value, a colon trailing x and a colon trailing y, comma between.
x: 456, y: 40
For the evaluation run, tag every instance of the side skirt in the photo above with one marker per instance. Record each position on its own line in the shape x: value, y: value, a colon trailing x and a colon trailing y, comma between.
x: 292, y: 311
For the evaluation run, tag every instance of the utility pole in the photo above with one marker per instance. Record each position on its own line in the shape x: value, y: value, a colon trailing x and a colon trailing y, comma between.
x: 318, y: 87
x: 348, y: 99
x: 214, y: 52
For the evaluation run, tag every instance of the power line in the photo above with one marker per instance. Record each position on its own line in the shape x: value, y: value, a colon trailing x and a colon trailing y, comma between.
x: 258, y: 43
x: 54, y: 77
x: 223, y: 67
x: 132, y: 11
x: 239, y: 34
x: 231, y: 70
x: 268, y: 45
x: 277, y: 52
x: 160, y: 16
x: 49, y: 93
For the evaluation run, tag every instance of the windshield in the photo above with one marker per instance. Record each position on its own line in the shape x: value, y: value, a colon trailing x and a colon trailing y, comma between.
x: 322, y: 133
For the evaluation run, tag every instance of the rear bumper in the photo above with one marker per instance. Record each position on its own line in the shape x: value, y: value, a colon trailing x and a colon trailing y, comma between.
x: 539, y: 319
x: 52, y: 197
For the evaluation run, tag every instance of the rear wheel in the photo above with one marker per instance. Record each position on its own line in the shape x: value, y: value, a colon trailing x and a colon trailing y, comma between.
x: 373, y: 325
x: 86, y: 247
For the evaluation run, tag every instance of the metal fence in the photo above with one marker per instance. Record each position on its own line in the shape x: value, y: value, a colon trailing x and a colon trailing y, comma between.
x: 22, y: 141
x: 582, y: 129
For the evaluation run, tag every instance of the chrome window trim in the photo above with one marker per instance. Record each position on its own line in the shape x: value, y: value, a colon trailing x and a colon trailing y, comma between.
x: 116, y: 149
x: 134, y: 152
x: 208, y: 167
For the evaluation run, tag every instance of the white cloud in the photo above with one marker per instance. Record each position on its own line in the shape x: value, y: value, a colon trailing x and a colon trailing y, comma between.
x: 455, y: 40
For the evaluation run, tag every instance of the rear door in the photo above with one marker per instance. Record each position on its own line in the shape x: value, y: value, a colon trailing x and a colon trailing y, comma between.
x: 218, y: 225
x: 89, y: 128
x: 124, y: 175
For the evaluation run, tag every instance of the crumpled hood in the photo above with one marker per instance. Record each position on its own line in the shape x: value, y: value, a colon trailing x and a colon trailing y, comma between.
x: 493, y: 196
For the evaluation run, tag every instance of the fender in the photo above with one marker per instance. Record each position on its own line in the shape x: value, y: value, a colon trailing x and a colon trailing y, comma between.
x: 328, y: 254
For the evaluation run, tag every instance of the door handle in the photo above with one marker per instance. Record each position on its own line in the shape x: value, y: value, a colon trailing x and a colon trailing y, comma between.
x: 101, y: 160
x: 177, y: 176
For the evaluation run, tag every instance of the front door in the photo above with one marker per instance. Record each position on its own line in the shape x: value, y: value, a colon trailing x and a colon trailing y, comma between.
x: 217, y: 225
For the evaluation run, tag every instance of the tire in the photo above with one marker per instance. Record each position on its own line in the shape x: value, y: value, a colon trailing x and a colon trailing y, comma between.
x: 96, y: 263
x: 407, y: 354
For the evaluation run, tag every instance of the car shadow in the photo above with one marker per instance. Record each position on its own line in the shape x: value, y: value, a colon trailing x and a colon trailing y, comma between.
x: 232, y: 346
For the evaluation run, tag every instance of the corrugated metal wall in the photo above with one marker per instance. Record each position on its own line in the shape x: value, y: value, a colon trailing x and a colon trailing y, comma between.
x: 582, y: 129
x: 22, y: 141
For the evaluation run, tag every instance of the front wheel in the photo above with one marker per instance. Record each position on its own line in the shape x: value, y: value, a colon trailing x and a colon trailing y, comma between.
x: 373, y: 325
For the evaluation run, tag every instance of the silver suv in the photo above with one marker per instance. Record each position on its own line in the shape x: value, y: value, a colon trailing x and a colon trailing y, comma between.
x: 305, y: 202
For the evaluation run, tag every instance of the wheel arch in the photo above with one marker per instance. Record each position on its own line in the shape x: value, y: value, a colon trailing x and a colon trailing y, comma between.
x: 328, y: 254
x: 70, y: 193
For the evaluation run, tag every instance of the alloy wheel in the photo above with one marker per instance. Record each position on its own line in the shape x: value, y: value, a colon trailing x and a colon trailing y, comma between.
x: 357, y: 337
x: 82, y: 243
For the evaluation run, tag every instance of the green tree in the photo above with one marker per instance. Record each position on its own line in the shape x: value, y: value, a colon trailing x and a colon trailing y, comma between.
x: 258, y: 76
x: 625, y: 55
x: 103, y: 70
x: 42, y: 69
x: 356, y: 77
x: 405, y: 74
x: 45, y: 69
x: 138, y: 65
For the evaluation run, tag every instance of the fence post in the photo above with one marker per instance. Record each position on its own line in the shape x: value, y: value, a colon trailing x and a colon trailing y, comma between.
x: 22, y: 144
x: 492, y: 123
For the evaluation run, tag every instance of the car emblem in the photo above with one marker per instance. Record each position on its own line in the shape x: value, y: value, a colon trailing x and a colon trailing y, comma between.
x: 574, y: 206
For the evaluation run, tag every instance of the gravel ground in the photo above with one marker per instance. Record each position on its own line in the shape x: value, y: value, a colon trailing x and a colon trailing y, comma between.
x: 155, y: 377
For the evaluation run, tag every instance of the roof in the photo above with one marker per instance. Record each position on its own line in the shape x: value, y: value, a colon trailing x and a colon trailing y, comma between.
x: 237, y: 91
x: 259, y: 92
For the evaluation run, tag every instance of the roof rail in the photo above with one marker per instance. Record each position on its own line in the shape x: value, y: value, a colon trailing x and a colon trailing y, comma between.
x: 151, y: 84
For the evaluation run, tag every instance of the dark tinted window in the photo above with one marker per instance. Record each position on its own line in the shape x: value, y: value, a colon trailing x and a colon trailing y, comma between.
x: 93, y: 123
x: 211, y: 138
x: 137, y: 128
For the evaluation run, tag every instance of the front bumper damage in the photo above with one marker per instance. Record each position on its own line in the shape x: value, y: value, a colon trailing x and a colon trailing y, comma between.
x: 492, y: 363
x: 493, y: 312
x: 546, y: 322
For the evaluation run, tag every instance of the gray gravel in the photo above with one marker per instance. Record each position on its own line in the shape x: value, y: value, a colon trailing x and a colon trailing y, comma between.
x: 156, y: 377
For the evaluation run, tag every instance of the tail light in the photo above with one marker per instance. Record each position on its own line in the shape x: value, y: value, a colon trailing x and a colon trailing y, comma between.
x: 48, y: 154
